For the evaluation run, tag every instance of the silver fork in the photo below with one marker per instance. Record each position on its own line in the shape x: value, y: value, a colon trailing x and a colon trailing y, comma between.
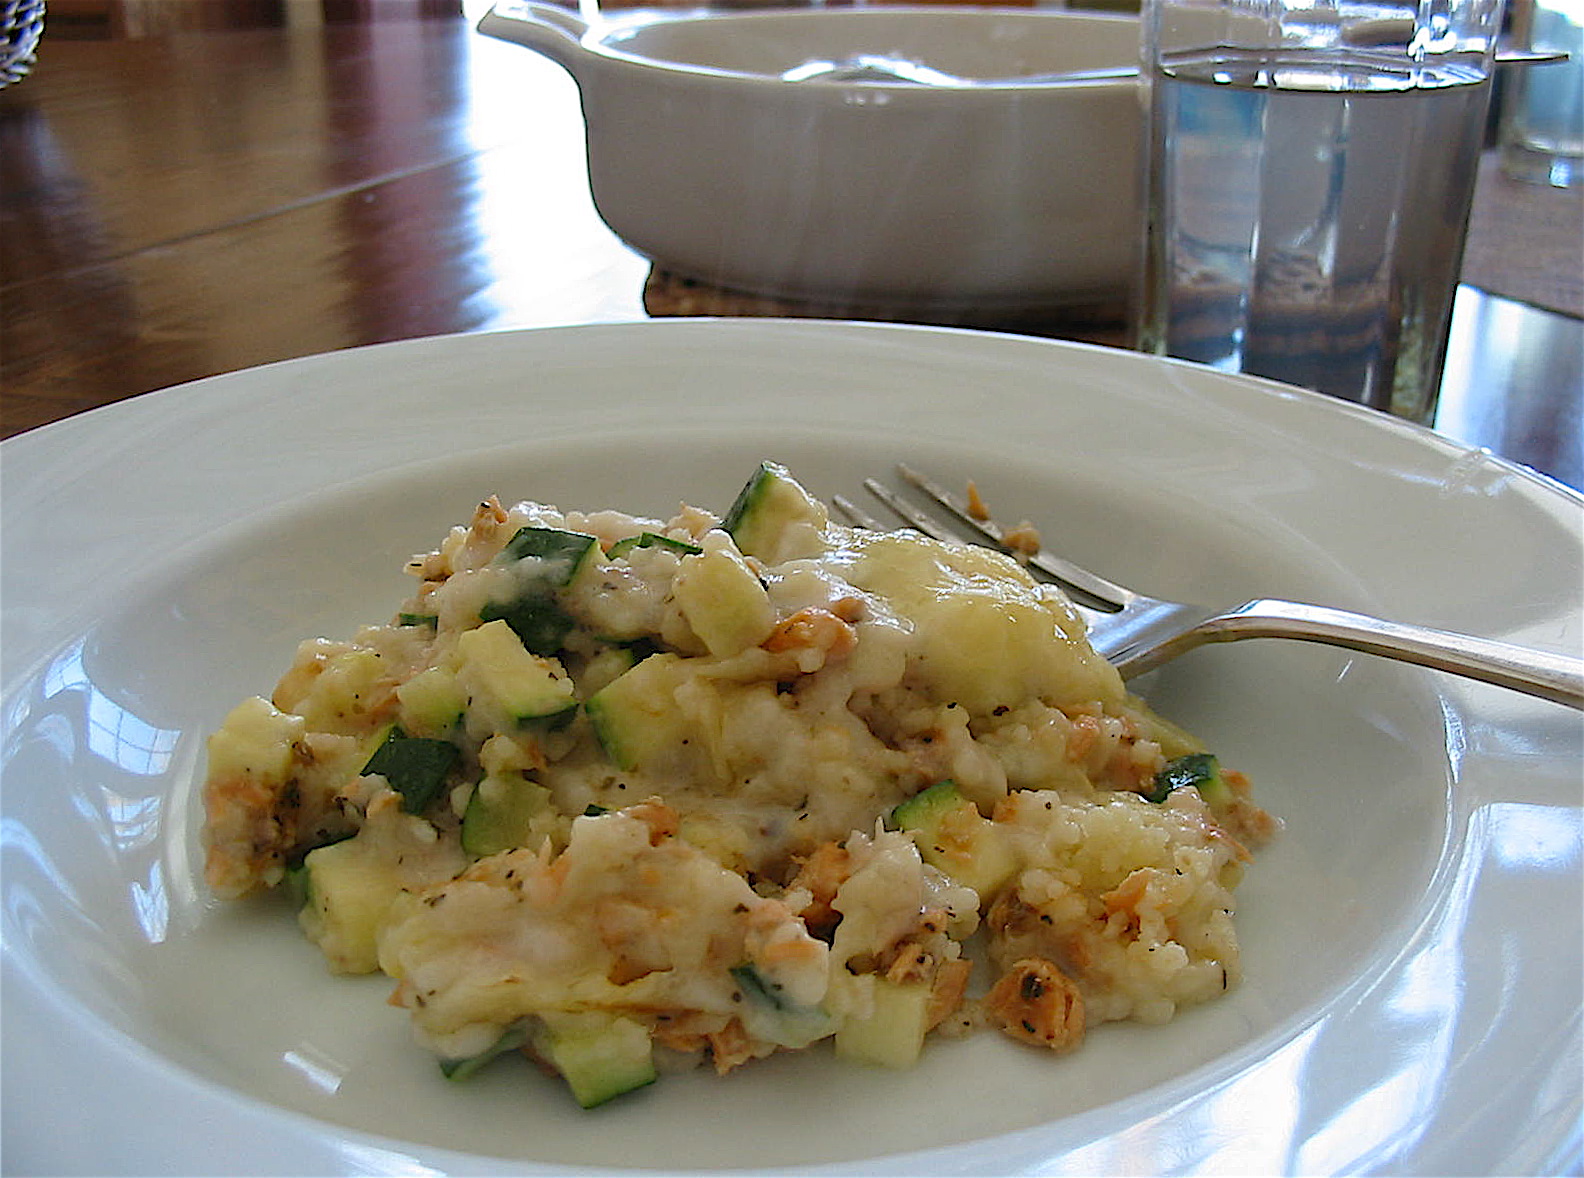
x: 1138, y: 633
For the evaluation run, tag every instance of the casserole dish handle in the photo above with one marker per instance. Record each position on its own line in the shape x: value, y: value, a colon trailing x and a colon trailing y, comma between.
x: 554, y: 31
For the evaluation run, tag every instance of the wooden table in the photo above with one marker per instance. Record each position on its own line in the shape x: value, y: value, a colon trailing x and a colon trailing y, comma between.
x: 177, y: 207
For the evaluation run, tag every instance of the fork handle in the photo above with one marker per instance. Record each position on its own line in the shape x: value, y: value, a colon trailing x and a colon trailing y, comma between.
x: 1555, y: 677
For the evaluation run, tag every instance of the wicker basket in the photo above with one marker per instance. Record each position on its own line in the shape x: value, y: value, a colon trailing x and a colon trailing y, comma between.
x: 21, y: 25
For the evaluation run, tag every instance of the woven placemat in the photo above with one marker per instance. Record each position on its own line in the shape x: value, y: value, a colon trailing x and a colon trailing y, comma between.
x: 668, y: 294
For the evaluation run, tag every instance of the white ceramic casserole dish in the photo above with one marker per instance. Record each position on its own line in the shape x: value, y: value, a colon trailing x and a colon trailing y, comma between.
x: 996, y: 188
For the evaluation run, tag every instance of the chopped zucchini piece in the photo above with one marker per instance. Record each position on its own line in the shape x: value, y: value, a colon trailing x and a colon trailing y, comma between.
x: 525, y: 686
x: 606, y: 666
x: 1200, y: 770
x: 431, y: 621
x: 432, y: 702
x: 500, y: 814
x: 600, y: 1056
x: 775, y: 519
x: 511, y: 1039
x: 561, y: 554
x: 723, y: 601
x: 415, y: 766
x: 357, y: 887
x: 952, y: 835
x: 536, y: 619
x: 892, y: 1034
x: 347, y: 894
x: 635, y: 716
x: 768, y: 1013
x: 755, y: 987
x: 256, y: 742
x: 549, y: 559
x: 925, y: 807
x: 652, y: 540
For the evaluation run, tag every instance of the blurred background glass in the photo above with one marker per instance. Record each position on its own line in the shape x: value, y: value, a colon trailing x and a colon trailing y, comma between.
x: 1542, y: 125
x: 21, y: 25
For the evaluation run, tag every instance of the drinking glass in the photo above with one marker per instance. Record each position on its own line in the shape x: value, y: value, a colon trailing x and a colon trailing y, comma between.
x: 1310, y: 168
x: 1542, y: 124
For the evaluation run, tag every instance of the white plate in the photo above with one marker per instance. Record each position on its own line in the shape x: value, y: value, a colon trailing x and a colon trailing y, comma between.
x: 1412, y: 943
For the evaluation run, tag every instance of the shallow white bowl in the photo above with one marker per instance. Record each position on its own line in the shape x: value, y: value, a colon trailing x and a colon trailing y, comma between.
x: 1005, y: 191
x: 1411, y: 942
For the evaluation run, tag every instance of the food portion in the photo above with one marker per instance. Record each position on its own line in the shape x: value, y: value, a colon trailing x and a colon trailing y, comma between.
x: 631, y: 794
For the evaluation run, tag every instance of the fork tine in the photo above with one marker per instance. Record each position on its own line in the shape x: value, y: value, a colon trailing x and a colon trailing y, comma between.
x: 925, y: 523
x: 1098, y: 591
x: 856, y: 515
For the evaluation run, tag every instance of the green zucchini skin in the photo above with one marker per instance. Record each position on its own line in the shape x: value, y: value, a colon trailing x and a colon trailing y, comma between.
x: 560, y: 552
x: 1202, y: 771
x: 552, y: 559
x: 773, y: 517
x: 513, y: 1038
x: 924, y: 809
x: 952, y: 835
x: 652, y: 540
x: 755, y: 987
x: 541, y: 623
x: 415, y: 766
x: 753, y: 497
